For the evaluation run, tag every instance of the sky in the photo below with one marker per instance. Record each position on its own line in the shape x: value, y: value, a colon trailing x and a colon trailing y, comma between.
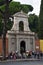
x: 35, y: 3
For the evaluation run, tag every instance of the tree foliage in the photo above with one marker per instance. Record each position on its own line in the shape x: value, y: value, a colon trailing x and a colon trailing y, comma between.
x: 26, y: 8
x: 2, y: 2
x: 41, y: 21
x: 33, y: 22
x: 1, y: 27
x: 15, y: 7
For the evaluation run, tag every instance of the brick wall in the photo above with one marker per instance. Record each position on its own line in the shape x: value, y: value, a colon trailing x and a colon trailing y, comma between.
x: 37, y: 44
x: 1, y: 47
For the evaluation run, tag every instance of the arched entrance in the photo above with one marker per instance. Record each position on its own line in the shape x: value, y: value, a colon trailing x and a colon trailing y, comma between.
x: 22, y: 47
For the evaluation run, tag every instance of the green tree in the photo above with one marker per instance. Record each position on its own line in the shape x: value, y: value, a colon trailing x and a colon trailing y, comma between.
x: 5, y: 15
x: 33, y: 22
x: 26, y: 8
x: 1, y: 27
x: 14, y: 7
x: 2, y: 2
x: 41, y: 21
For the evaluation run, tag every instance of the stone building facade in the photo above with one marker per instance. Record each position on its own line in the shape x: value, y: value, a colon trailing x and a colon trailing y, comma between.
x: 20, y: 36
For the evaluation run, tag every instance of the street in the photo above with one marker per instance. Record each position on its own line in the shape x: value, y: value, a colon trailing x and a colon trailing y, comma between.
x: 22, y: 63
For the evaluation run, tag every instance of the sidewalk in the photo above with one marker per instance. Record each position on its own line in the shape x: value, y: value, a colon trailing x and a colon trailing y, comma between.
x: 21, y: 60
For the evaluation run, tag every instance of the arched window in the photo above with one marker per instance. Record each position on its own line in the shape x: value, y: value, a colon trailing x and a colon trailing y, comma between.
x: 21, y: 26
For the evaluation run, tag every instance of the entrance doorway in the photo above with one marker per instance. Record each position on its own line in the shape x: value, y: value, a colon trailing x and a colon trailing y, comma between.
x: 22, y: 47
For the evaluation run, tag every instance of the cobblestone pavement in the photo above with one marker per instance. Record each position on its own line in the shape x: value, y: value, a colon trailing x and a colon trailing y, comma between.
x: 39, y: 62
